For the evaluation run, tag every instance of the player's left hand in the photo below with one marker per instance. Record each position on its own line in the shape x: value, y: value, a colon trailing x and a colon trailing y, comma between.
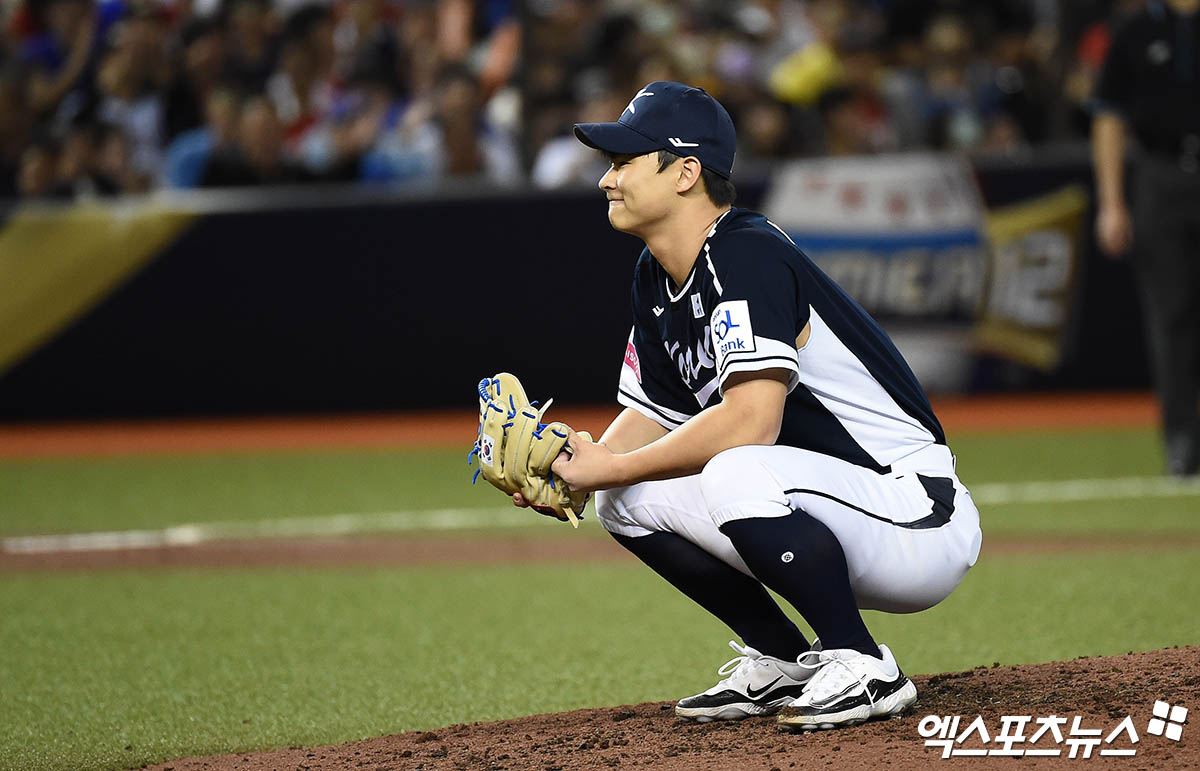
x: 588, y: 467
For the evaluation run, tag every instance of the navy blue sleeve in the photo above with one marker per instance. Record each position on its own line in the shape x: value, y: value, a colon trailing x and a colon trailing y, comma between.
x: 650, y: 381
x: 763, y: 306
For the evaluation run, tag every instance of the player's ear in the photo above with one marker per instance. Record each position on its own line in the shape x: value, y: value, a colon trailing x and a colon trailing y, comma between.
x: 688, y: 174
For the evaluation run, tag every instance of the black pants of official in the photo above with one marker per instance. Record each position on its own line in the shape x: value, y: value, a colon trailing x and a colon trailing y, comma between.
x: 1166, y: 262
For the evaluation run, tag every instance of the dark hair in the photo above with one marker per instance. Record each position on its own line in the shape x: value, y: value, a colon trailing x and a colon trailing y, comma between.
x: 720, y: 190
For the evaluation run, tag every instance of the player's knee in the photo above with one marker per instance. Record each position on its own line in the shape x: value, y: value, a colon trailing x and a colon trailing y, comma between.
x: 610, y: 508
x: 734, y: 476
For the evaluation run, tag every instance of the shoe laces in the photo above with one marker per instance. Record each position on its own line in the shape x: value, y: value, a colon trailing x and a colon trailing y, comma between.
x: 833, y: 673
x: 741, y: 665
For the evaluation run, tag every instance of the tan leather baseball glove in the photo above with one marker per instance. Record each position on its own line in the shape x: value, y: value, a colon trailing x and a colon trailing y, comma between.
x: 516, y: 449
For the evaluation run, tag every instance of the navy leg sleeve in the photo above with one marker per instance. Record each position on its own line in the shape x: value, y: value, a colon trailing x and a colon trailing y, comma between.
x: 737, y: 599
x: 802, y: 560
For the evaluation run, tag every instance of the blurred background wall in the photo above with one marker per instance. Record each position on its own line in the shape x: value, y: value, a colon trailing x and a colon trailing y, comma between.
x: 229, y: 206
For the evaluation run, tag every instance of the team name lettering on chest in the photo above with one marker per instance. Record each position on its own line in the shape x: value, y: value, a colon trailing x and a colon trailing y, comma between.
x: 690, y: 363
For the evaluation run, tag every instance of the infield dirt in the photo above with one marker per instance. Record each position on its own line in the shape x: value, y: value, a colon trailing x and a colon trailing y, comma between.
x: 1102, y: 691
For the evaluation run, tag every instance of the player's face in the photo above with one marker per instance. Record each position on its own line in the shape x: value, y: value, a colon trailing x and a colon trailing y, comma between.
x: 638, y: 195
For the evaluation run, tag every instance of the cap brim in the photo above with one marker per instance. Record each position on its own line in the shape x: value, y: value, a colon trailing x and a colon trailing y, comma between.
x: 614, y: 138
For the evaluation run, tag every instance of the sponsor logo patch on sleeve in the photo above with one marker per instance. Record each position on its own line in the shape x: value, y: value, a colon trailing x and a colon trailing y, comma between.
x: 731, y: 329
x: 631, y: 360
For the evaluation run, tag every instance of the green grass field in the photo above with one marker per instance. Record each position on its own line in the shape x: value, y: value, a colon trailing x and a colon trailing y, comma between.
x: 114, y: 669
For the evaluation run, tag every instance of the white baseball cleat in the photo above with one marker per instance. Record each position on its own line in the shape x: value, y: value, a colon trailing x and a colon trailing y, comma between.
x: 756, y: 684
x: 848, y: 688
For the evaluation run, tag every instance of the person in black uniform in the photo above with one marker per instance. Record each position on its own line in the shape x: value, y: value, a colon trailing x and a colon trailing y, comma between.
x: 1150, y: 88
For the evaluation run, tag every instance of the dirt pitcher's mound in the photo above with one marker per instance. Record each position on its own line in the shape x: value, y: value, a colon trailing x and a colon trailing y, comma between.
x: 1100, y: 691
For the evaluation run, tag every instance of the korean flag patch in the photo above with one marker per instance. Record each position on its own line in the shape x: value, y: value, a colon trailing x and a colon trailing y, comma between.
x: 731, y: 330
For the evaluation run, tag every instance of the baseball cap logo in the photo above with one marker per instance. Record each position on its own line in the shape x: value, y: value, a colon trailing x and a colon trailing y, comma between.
x: 677, y: 142
x: 630, y: 107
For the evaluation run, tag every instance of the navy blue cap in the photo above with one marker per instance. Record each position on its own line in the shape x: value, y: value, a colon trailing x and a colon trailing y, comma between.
x: 670, y: 116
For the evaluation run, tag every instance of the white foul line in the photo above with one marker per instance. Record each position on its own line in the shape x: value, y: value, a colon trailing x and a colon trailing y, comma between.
x: 295, y: 527
x: 1067, y: 490
x: 993, y: 494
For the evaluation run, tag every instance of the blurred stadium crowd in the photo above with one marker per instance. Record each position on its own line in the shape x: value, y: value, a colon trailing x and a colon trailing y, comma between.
x: 99, y: 97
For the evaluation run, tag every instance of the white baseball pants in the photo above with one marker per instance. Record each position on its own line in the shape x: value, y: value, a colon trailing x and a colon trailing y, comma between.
x: 893, y: 565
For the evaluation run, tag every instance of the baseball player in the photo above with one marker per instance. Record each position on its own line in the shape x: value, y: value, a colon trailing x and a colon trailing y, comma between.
x: 772, y: 436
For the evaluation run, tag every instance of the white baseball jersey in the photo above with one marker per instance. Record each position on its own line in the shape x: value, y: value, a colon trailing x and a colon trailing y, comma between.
x: 859, y: 447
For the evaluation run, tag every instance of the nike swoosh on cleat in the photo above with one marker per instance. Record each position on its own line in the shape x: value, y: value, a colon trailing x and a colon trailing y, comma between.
x: 873, y: 690
x: 755, y: 693
x: 836, y: 697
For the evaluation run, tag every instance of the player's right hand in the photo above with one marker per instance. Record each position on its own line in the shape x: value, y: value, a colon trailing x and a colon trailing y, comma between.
x: 1114, y: 229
